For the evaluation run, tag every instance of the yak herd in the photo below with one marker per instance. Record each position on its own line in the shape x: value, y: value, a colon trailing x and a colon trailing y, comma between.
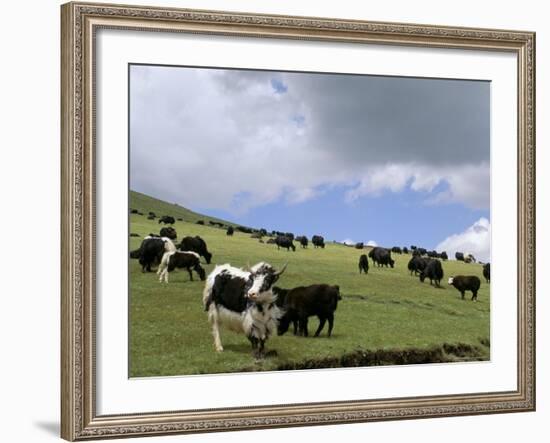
x: 247, y: 300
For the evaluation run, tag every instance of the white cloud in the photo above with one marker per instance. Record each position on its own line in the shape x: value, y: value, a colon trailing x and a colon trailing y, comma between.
x: 475, y: 240
x: 466, y: 184
x: 229, y: 140
x: 372, y: 243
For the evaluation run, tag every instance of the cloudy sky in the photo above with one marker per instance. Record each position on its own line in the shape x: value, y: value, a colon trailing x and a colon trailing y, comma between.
x: 394, y: 161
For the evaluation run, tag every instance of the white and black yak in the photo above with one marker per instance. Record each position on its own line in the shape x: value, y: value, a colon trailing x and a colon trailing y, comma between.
x: 243, y: 301
x: 180, y: 259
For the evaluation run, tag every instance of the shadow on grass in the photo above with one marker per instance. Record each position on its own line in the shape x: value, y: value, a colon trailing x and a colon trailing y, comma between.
x: 238, y: 348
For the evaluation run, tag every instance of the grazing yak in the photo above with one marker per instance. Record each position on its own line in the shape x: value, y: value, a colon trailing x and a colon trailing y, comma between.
x: 195, y: 244
x: 405, y: 250
x: 133, y: 211
x: 230, y: 231
x: 433, y: 271
x: 151, y: 251
x: 302, y: 239
x: 469, y: 258
x: 443, y: 256
x: 359, y: 245
x: 417, y: 264
x: 381, y: 257
x: 200, y: 222
x: 459, y: 256
x: 150, y: 217
x: 305, y: 301
x: 133, y: 234
x: 169, y: 232
x: 422, y: 251
x: 487, y: 272
x: 283, y: 241
x: 363, y: 264
x: 318, y: 241
x: 466, y: 283
x: 243, y: 301
x: 397, y: 250
x: 180, y: 259
x: 167, y: 220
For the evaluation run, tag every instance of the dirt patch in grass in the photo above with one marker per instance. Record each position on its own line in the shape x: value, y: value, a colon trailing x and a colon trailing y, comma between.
x: 445, y: 353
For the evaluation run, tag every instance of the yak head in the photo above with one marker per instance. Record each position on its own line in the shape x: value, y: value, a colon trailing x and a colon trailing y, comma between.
x: 201, y: 272
x: 284, y: 322
x: 262, y: 277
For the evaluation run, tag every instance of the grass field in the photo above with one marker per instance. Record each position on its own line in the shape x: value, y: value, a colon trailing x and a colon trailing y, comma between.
x: 385, y: 317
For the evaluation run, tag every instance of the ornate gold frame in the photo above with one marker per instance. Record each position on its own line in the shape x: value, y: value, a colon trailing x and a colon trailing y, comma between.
x: 79, y: 23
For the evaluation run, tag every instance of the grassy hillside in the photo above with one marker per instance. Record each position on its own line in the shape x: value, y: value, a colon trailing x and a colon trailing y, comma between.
x: 144, y: 204
x: 385, y: 317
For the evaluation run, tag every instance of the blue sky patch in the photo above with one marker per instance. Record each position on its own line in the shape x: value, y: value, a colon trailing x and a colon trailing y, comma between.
x: 278, y: 86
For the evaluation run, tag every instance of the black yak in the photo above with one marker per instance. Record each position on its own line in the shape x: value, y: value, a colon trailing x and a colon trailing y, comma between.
x: 195, y: 244
x: 283, y: 241
x: 487, y: 272
x: 433, y: 271
x: 363, y: 264
x: 305, y: 301
x: 466, y: 283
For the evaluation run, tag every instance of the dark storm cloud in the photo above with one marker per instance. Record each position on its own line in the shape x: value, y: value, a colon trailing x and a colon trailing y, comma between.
x: 392, y: 119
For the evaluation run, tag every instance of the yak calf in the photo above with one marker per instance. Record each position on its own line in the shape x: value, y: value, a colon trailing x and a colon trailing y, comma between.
x: 305, y: 301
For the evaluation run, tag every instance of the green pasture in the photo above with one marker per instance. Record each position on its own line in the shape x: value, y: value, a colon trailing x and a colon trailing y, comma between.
x: 385, y: 317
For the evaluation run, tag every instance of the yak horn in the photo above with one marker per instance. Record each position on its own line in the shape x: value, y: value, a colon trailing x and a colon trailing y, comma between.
x: 278, y: 273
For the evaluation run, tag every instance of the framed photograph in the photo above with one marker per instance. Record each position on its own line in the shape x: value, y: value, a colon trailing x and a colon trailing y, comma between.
x: 277, y: 221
